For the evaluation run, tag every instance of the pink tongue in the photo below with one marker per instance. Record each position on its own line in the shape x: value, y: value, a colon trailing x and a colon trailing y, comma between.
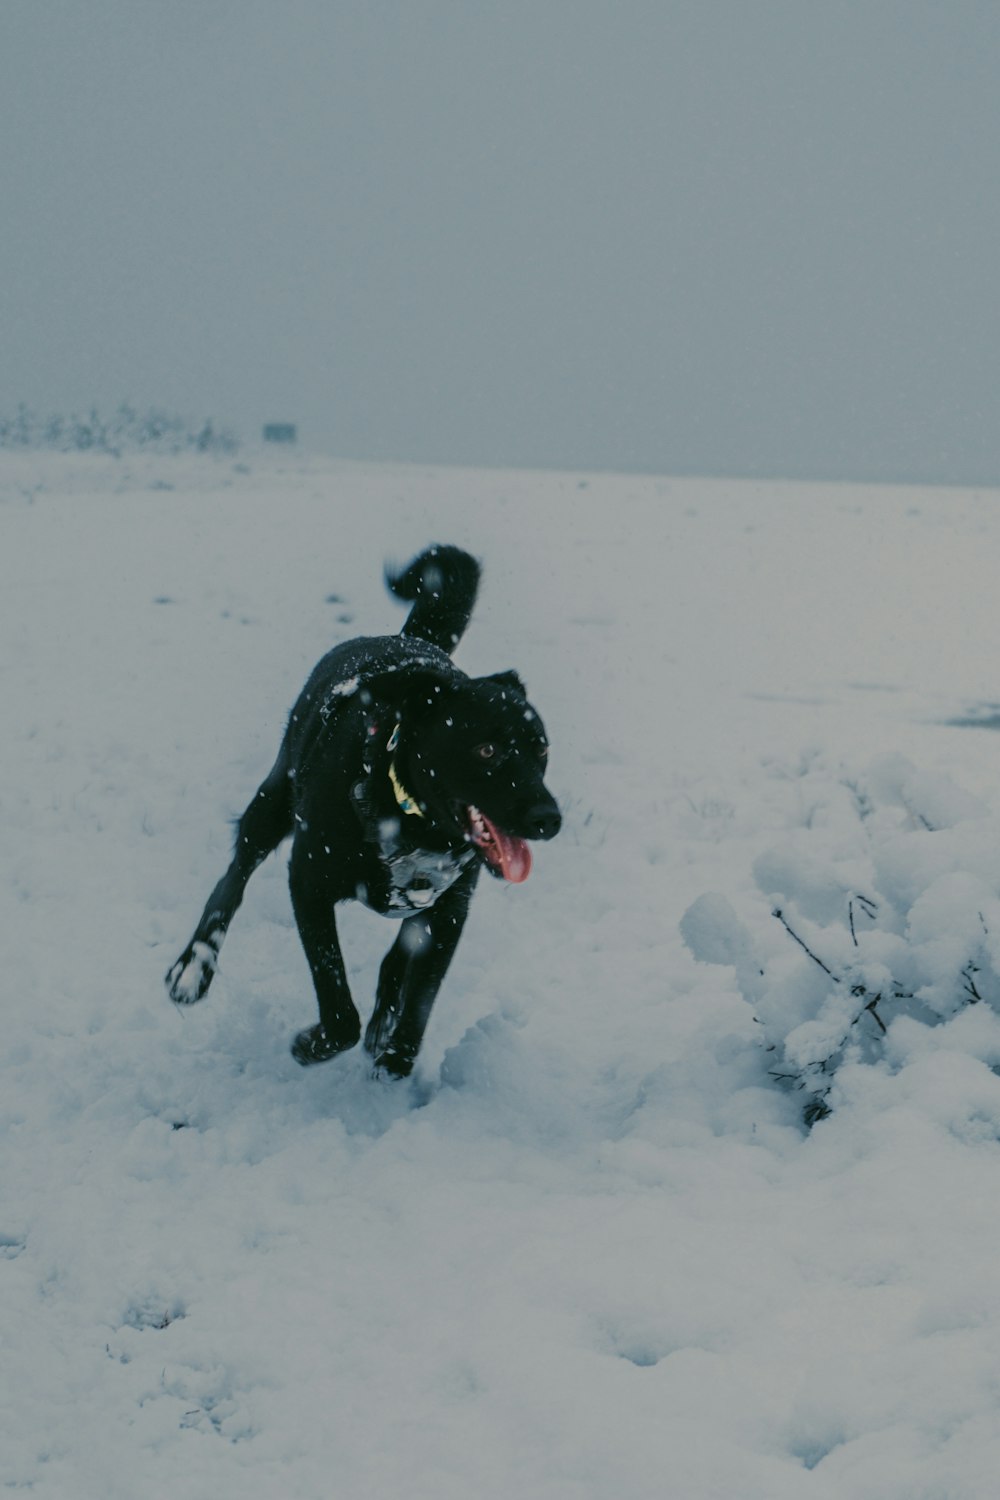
x: 511, y: 856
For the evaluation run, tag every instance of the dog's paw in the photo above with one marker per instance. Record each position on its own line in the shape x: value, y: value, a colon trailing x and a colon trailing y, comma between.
x: 392, y: 1064
x: 189, y: 978
x: 314, y: 1046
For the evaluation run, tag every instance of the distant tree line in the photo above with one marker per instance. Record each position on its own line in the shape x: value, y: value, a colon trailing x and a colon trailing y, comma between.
x: 125, y: 430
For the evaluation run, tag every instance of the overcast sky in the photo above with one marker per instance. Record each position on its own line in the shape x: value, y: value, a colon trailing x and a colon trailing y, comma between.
x: 753, y: 237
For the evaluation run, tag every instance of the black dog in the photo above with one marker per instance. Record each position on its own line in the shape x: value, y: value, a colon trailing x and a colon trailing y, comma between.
x: 400, y: 777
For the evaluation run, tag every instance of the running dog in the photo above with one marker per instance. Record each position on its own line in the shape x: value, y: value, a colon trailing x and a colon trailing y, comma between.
x: 399, y: 778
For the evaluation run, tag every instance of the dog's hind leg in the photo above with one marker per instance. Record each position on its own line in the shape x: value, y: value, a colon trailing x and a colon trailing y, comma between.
x: 265, y: 823
x: 313, y: 900
x: 411, y: 976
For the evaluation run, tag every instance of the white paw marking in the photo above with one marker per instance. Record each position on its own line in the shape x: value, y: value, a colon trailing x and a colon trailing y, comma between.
x: 189, y: 983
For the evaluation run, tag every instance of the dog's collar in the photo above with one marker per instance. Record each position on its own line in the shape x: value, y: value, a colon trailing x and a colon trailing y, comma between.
x: 407, y: 803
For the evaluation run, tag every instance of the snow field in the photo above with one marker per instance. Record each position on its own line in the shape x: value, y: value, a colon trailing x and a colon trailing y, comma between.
x: 588, y: 1250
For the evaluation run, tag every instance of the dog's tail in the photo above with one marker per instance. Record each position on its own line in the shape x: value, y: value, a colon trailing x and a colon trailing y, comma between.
x: 441, y: 584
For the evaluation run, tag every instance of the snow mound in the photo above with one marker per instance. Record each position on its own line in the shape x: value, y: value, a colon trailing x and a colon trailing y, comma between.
x: 889, y: 912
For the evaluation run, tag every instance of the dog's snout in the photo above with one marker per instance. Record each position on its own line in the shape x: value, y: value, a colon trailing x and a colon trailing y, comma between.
x: 547, y: 820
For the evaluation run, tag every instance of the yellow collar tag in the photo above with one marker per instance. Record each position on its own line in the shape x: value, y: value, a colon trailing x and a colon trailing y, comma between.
x: 406, y: 802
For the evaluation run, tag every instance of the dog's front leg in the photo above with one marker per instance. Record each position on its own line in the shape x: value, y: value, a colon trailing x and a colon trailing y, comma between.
x: 339, y: 1024
x: 411, y: 976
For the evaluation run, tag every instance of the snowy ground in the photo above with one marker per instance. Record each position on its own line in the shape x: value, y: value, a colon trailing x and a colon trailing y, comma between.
x: 588, y: 1252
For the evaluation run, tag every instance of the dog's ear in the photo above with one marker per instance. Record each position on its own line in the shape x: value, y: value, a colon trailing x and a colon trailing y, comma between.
x: 508, y: 680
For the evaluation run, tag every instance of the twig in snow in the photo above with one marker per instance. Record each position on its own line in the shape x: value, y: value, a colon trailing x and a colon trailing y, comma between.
x: 793, y: 934
x: 970, y: 983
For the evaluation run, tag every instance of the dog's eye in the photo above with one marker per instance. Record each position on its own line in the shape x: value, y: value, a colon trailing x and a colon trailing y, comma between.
x: 486, y: 752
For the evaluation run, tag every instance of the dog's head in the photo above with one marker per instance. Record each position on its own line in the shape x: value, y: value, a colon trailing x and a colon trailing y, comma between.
x: 472, y: 754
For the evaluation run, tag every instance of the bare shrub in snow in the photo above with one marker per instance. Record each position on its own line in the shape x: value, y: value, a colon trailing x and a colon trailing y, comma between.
x: 883, y: 904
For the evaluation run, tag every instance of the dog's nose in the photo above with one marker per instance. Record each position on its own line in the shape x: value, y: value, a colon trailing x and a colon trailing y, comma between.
x: 547, y: 820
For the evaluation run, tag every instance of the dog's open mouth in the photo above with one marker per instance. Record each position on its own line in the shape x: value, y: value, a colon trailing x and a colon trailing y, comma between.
x: 507, y: 856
